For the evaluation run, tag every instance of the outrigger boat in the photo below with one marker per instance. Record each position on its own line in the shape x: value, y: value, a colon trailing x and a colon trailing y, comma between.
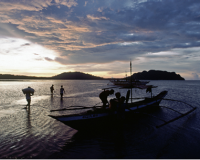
x: 97, y: 116
x: 127, y: 82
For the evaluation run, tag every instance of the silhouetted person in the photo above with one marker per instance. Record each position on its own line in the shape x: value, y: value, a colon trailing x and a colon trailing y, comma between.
x: 28, y: 98
x: 121, y: 107
x: 52, y: 89
x: 118, y: 95
x: 115, y: 101
x: 62, y: 91
x: 104, y: 95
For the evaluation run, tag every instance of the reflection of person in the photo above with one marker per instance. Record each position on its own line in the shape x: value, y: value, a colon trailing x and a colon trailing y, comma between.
x: 52, y: 89
x: 103, y: 96
x: 62, y: 91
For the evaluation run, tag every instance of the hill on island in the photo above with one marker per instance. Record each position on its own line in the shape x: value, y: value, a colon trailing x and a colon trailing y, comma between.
x: 65, y: 75
x: 10, y: 76
x: 157, y: 75
x: 76, y: 75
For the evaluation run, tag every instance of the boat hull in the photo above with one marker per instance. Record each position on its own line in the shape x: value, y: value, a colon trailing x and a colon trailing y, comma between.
x: 99, y: 118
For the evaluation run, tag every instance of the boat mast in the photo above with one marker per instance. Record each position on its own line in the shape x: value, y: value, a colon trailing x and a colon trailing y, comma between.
x: 131, y: 79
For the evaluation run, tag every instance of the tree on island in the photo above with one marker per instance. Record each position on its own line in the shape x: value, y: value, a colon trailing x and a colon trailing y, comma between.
x: 76, y: 75
x: 157, y: 75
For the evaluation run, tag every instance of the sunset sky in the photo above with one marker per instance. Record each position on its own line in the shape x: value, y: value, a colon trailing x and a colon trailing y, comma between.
x: 99, y: 37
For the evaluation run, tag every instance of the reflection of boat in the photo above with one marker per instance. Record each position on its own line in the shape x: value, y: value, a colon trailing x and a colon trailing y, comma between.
x: 28, y: 90
x: 98, y: 116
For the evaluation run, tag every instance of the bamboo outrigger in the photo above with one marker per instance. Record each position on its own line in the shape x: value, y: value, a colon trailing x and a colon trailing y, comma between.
x: 181, y: 114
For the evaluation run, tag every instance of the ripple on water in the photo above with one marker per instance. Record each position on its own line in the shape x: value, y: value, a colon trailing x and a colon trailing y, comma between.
x: 36, y: 135
x: 30, y: 134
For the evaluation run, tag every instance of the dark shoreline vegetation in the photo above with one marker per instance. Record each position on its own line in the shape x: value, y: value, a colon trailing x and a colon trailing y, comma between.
x: 145, y: 75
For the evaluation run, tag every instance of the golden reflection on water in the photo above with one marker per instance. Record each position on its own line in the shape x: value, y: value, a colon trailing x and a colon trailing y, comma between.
x: 30, y: 133
x: 35, y: 131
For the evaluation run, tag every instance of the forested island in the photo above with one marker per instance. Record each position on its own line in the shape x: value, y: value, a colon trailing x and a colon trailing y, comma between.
x: 75, y: 75
x: 157, y: 75
x: 62, y: 76
x: 145, y: 75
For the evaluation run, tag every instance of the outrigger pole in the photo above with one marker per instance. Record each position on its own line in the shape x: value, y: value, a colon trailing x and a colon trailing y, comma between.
x: 181, y: 114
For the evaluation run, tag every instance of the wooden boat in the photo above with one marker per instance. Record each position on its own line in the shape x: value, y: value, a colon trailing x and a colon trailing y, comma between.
x: 100, y: 118
x: 127, y: 83
x: 97, y: 116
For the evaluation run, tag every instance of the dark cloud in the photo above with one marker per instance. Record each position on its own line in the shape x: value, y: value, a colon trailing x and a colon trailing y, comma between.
x: 26, y: 44
x: 48, y: 59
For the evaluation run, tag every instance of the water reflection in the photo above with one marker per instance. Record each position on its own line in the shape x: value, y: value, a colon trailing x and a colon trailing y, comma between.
x: 33, y: 134
x: 61, y: 103
x: 28, y: 120
x: 52, y: 98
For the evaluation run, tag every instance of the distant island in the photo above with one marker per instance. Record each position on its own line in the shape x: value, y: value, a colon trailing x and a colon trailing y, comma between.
x: 62, y: 76
x: 145, y: 75
x: 157, y: 75
x: 76, y: 75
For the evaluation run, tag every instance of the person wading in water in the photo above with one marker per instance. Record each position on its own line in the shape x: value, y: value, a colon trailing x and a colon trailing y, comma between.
x: 28, y: 98
x: 52, y: 89
x: 62, y: 91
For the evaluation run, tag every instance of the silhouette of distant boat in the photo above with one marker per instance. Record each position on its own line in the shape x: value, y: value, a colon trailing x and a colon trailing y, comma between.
x: 127, y: 82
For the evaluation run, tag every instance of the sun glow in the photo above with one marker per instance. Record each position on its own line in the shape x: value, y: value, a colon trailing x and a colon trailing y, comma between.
x: 19, y: 55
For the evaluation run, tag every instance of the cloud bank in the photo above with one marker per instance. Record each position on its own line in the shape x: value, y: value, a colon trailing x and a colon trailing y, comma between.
x: 154, y: 34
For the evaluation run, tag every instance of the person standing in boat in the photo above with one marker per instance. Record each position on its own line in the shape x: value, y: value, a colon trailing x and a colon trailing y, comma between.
x: 104, y: 95
x: 115, y: 101
x: 62, y: 91
x: 121, y: 108
x: 52, y: 89
x: 118, y: 95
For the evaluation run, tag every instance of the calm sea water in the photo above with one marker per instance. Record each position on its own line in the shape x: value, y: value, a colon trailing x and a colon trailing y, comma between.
x: 33, y: 134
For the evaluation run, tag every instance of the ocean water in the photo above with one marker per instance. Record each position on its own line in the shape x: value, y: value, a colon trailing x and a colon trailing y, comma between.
x: 33, y: 134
